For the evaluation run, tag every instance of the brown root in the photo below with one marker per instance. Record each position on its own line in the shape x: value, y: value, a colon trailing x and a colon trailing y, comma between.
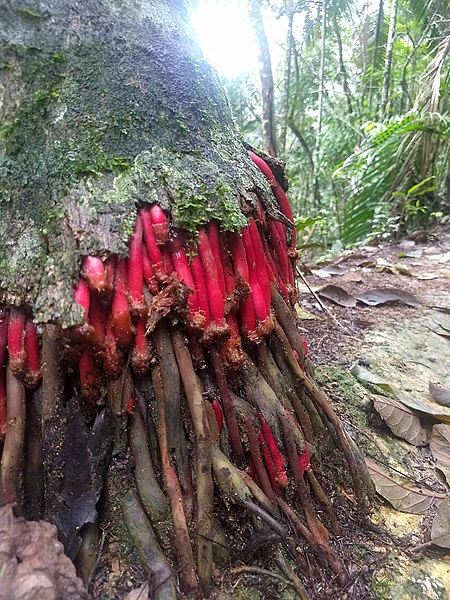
x: 13, y: 448
x: 204, y: 482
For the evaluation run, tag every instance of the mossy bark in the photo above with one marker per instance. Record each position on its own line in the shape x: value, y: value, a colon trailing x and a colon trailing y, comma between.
x: 105, y: 105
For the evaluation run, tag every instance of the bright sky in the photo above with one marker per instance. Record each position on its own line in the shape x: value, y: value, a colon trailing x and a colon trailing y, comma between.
x: 225, y: 35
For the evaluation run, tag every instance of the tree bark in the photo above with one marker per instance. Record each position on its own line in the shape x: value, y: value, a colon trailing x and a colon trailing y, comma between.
x: 176, y: 408
x: 265, y: 74
x: 77, y: 82
x: 385, y: 98
x: 376, y: 43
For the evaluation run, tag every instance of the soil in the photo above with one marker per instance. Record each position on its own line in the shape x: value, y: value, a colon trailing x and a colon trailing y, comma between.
x: 408, y: 346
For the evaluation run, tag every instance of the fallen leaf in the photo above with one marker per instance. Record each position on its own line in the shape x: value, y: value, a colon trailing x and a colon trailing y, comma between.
x: 401, y: 420
x: 441, y: 258
x: 403, y: 270
x: 303, y: 314
x: 370, y: 377
x: 440, y: 529
x: 321, y: 273
x: 428, y: 276
x: 440, y: 448
x: 328, y: 271
x: 439, y: 393
x: 422, y: 405
x: 382, y: 295
x: 402, y: 497
x: 411, y: 254
x: 338, y: 295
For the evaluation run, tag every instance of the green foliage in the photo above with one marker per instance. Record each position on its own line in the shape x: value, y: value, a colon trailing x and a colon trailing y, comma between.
x: 360, y: 175
x: 386, y: 193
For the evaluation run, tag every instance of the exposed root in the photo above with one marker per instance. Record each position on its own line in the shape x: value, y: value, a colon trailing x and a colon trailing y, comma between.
x: 204, y: 482
x: 163, y: 582
x: 12, y: 455
x: 180, y: 527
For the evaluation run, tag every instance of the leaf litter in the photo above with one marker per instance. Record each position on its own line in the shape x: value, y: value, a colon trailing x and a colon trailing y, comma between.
x: 406, y: 347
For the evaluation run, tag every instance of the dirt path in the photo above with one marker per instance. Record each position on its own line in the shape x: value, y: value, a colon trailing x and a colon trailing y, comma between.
x: 407, y: 346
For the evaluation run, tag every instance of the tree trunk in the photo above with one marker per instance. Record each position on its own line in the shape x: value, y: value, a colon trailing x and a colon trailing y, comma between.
x: 385, y: 97
x: 265, y: 74
x: 376, y: 44
x: 320, y: 104
x: 289, y: 9
x: 153, y: 376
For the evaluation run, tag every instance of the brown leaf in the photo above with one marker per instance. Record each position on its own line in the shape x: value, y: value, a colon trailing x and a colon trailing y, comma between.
x: 338, y: 295
x: 439, y: 393
x: 440, y: 529
x: 422, y: 405
x: 402, y: 497
x: 400, y: 420
x: 440, y: 448
x: 378, y: 296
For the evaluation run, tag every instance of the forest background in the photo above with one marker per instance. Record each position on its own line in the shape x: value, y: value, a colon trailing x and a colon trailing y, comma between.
x: 353, y: 96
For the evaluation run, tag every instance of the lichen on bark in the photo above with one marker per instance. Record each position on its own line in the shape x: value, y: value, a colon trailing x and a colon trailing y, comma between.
x: 105, y: 107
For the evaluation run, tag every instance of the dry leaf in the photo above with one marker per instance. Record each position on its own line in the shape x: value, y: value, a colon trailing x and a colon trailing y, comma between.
x: 382, y: 295
x: 369, y: 377
x: 338, y: 295
x: 440, y: 448
x: 400, y: 420
x: 422, y: 405
x: 440, y: 529
x: 304, y: 314
x: 402, y: 497
x: 439, y: 393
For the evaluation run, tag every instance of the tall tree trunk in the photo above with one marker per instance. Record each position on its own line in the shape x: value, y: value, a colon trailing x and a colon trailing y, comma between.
x: 376, y: 44
x: 320, y: 103
x: 265, y: 74
x: 343, y: 70
x: 385, y: 97
x: 289, y: 9
x: 167, y: 393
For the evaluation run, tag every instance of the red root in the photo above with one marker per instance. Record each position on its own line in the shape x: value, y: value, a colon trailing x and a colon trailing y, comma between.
x: 278, y: 191
x: 153, y: 250
x: 140, y: 354
x: 2, y: 404
x: 112, y: 358
x: 16, y: 342
x: 198, y: 309
x: 33, y: 369
x: 278, y: 459
x: 218, y: 413
x: 93, y: 271
x: 270, y: 467
x: 215, y: 295
x: 90, y: 382
x: 278, y: 240
x: 215, y: 243
x: 160, y: 224
x: 167, y: 262
x: 136, y: 269
x: 149, y: 277
x: 200, y: 287
x: 120, y: 309
x: 4, y: 319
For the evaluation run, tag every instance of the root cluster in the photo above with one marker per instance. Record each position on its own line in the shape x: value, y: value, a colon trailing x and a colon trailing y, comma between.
x: 231, y: 415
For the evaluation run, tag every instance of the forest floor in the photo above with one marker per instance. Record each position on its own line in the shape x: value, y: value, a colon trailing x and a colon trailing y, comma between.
x: 386, y: 368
